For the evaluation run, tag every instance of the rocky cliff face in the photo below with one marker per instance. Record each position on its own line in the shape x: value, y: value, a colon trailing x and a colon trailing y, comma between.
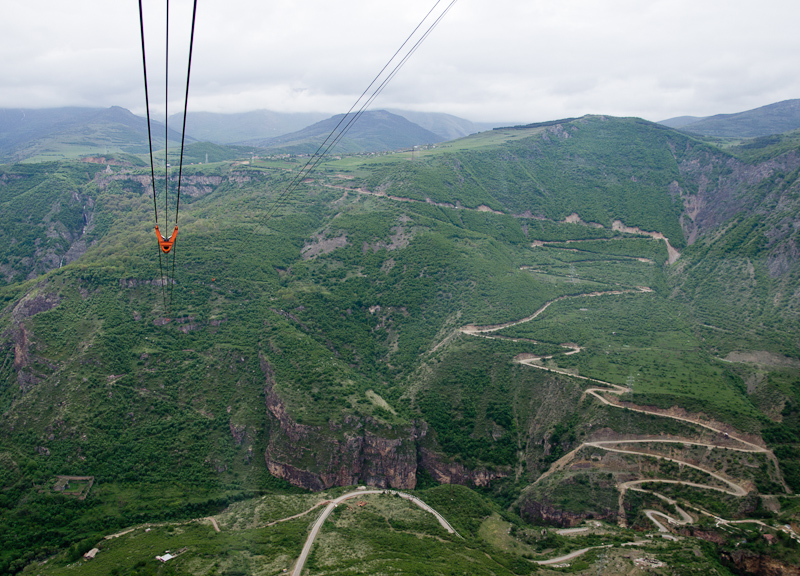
x: 317, y: 458
x: 533, y: 510
x: 21, y: 336
x: 719, y: 187
x: 360, y: 450
x: 743, y: 562
x: 455, y: 473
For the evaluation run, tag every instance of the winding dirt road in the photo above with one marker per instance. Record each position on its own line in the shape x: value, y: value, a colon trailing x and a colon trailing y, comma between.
x: 569, y: 556
x: 730, y: 436
x: 730, y: 486
x: 298, y: 567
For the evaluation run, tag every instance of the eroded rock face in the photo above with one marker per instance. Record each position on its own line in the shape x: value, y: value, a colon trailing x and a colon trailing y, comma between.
x: 33, y: 304
x: 22, y: 336
x: 359, y: 451
x: 717, y: 188
x: 455, y: 473
x: 744, y: 562
x: 533, y: 510
x: 364, y: 459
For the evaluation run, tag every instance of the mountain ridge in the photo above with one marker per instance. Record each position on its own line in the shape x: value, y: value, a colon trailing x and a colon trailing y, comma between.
x: 46, y: 132
x: 235, y: 128
x: 373, y: 131
x: 765, y: 120
x: 69, y: 133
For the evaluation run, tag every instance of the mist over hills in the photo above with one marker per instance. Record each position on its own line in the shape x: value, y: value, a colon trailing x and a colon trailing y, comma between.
x: 680, y: 121
x: 236, y: 128
x: 61, y: 133
x: 553, y: 325
x: 446, y: 126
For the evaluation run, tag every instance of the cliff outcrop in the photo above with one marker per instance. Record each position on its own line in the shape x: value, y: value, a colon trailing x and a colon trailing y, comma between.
x: 359, y: 450
x: 28, y: 366
x: 454, y: 473
x: 533, y: 510
x: 744, y: 562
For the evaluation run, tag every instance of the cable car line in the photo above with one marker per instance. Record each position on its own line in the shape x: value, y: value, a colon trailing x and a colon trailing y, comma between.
x: 166, y: 115
x: 317, y: 157
x: 166, y: 244
x: 350, y: 119
x: 183, y: 140
x: 150, y: 142
x: 389, y: 77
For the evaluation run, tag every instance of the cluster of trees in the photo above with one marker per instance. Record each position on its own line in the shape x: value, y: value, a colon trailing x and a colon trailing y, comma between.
x: 467, y: 404
x: 784, y: 439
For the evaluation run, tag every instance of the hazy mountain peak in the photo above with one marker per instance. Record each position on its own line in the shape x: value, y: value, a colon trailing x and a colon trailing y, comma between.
x: 373, y: 131
x: 770, y: 119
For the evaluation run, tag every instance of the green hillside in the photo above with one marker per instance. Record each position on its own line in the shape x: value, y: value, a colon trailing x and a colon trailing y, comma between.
x: 555, y: 322
x: 586, y: 166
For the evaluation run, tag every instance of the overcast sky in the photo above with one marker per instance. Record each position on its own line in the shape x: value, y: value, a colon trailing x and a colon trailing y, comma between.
x: 488, y: 60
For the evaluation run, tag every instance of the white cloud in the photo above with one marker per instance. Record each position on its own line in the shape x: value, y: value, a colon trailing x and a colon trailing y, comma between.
x: 505, y: 59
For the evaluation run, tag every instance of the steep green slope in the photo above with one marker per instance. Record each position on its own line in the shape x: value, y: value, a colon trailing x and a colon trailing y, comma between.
x: 603, y: 170
x: 46, y: 217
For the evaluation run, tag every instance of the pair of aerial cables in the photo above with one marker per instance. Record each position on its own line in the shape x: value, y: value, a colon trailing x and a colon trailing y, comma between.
x: 166, y: 244
x: 389, y: 71
x: 386, y: 74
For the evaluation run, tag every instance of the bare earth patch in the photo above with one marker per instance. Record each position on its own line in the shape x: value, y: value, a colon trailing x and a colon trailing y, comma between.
x: 322, y: 245
x: 762, y: 357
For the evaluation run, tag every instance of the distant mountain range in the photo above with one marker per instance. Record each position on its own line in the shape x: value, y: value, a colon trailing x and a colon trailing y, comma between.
x: 244, y: 126
x: 63, y: 133
x: 681, y: 121
x: 372, y: 132
x: 764, y: 121
x: 446, y: 126
x: 263, y: 125
x: 58, y: 133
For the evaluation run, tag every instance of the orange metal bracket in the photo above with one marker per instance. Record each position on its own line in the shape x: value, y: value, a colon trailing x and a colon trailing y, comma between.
x: 166, y: 243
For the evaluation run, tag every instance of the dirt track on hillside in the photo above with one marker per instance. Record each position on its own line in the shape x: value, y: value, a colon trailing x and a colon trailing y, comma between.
x: 745, y: 444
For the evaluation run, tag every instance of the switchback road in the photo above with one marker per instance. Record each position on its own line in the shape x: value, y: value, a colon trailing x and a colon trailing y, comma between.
x: 298, y: 567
